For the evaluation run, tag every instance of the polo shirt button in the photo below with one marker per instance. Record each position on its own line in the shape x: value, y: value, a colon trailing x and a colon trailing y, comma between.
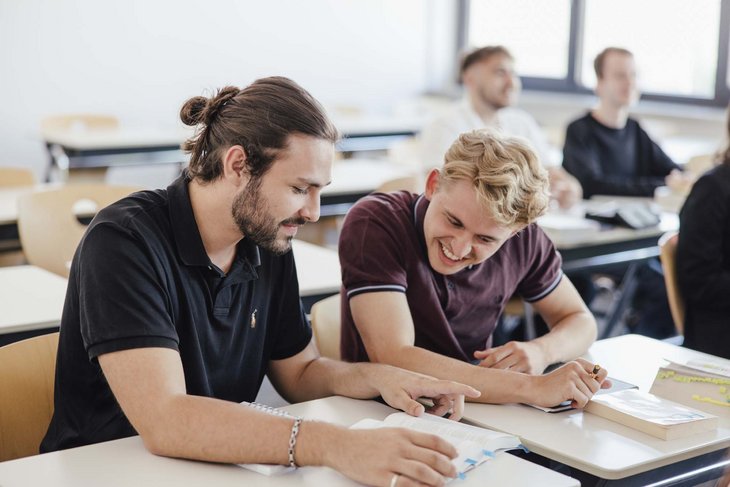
x: 450, y: 285
x: 210, y: 267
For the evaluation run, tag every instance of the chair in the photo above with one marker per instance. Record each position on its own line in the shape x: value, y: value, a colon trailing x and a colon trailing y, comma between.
x: 48, y: 221
x: 325, y: 316
x: 668, y: 255
x: 16, y: 176
x: 27, y: 370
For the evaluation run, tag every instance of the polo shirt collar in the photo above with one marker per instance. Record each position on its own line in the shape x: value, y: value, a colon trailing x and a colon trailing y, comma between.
x: 188, y: 241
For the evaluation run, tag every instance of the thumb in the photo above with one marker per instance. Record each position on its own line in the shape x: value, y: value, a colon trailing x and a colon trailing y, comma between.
x: 401, y: 400
x: 480, y: 354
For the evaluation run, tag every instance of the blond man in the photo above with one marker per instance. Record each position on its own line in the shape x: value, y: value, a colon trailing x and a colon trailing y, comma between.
x: 427, y: 277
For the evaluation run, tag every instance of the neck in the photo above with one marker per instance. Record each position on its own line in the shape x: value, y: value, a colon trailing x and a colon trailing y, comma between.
x: 212, y: 210
x: 486, y: 112
x: 614, y: 116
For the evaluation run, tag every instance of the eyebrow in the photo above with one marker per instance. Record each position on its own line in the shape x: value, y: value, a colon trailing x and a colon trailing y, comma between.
x: 313, y: 184
x: 458, y: 221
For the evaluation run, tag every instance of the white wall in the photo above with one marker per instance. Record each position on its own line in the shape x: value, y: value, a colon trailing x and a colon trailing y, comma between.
x: 141, y: 59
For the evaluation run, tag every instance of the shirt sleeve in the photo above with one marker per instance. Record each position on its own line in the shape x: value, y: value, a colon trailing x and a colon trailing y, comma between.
x: 123, y: 301
x: 371, y: 257
x: 293, y: 332
x: 544, y: 271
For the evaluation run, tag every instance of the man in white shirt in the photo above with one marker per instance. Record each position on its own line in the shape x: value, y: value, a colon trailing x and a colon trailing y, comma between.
x: 491, y: 89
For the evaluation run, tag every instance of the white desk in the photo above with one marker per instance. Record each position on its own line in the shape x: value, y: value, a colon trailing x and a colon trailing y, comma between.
x: 595, y: 445
x: 318, y: 269
x: 126, y: 462
x: 30, y: 299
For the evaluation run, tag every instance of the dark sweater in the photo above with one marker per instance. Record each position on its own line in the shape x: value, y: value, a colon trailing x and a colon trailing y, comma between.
x: 703, y: 263
x: 614, y: 161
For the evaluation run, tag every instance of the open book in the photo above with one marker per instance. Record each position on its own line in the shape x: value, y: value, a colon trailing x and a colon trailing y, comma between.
x: 475, y: 445
x: 651, y: 414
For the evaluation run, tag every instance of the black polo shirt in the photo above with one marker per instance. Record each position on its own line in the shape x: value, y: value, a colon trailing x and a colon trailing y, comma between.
x: 141, y: 278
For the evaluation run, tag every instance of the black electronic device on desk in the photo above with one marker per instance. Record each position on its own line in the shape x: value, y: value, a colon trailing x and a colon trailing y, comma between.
x: 631, y: 215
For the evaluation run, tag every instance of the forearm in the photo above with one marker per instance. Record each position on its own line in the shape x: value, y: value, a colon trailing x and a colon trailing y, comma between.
x: 569, y: 338
x: 496, y: 386
x: 324, y: 377
x: 213, y: 430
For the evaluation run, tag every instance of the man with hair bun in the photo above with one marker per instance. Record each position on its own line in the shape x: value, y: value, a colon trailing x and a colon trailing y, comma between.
x: 181, y: 300
x: 426, y: 278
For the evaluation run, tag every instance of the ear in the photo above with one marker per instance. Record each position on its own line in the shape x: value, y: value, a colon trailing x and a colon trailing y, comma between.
x: 234, y: 166
x: 432, y: 183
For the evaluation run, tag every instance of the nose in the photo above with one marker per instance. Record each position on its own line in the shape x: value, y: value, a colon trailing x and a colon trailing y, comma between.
x: 461, y: 245
x: 310, y: 211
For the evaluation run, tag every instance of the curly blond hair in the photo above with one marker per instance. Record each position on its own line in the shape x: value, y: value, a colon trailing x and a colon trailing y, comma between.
x: 509, y: 180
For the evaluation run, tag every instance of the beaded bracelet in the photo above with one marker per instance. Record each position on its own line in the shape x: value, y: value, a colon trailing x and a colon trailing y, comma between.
x: 293, y: 441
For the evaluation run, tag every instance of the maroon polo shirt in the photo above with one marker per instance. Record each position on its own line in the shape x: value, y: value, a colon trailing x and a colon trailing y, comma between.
x: 382, y: 248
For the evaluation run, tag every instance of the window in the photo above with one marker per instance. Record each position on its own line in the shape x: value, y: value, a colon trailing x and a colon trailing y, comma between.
x: 679, y: 46
x: 516, y: 25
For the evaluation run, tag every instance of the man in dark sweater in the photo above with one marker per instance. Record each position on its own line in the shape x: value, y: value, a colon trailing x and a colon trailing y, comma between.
x: 608, y: 152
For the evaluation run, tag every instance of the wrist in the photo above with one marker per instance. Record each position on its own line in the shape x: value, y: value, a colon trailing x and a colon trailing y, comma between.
x: 526, y: 387
x: 316, y: 443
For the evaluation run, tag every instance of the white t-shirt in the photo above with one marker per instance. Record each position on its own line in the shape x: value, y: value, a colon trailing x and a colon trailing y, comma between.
x: 440, y: 133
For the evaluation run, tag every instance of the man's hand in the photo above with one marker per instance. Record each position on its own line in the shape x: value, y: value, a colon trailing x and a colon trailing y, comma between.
x: 573, y: 382
x: 374, y: 457
x: 525, y: 357
x: 679, y: 182
x: 400, y: 389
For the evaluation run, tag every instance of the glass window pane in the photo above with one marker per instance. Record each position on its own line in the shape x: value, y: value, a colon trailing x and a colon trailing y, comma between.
x: 535, y: 31
x: 674, y: 42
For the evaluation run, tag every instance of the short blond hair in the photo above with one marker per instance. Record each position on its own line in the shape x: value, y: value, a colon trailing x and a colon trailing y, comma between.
x: 509, y: 180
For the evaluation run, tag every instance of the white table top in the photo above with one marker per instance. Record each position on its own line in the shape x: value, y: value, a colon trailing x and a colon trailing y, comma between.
x: 126, y: 462
x: 31, y: 298
x: 570, y: 229
x: 355, y: 176
x: 596, y: 445
x: 121, y: 138
x: 318, y: 269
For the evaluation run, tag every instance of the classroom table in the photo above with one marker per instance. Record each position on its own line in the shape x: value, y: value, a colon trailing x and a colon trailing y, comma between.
x: 31, y: 300
x: 589, y: 247
x: 601, y: 451
x: 126, y: 462
x: 318, y: 271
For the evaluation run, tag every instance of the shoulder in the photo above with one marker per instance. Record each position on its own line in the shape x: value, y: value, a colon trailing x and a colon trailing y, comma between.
x: 383, y: 206
x: 583, y: 124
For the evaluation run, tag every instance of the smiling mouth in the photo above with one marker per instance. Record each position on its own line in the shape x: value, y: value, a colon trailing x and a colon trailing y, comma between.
x: 449, y: 255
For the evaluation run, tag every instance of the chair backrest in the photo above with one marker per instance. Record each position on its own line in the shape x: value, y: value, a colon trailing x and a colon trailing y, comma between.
x: 48, y: 222
x: 78, y: 122
x: 27, y: 374
x: 325, y: 317
x: 16, y: 176
x: 668, y: 255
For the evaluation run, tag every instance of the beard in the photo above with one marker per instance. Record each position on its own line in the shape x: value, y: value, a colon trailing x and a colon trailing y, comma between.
x: 250, y: 213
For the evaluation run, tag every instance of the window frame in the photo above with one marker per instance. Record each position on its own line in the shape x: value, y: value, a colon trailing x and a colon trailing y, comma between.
x: 570, y: 83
